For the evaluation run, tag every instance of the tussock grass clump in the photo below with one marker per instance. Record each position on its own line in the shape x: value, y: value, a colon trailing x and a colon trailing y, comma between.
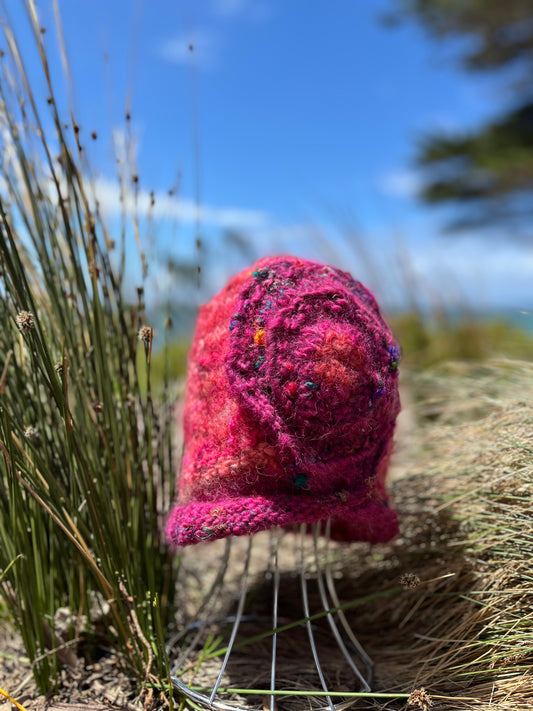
x: 85, y: 453
x: 464, y: 629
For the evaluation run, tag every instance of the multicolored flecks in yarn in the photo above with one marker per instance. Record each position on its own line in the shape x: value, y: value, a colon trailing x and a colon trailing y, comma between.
x: 292, y: 398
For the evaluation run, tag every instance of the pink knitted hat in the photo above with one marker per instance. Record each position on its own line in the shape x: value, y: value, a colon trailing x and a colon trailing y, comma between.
x: 292, y: 397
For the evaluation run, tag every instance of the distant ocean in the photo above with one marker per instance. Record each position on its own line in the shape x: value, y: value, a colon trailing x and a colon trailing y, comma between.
x: 521, y: 318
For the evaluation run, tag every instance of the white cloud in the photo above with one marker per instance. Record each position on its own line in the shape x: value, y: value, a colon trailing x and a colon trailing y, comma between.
x: 199, y: 47
x: 228, y: 8
x: 126, y: 146
x: 399, y: 183
x: 251, y: 10
x: 470, y: 271
x: 441, y: 123
x: 107, y: 192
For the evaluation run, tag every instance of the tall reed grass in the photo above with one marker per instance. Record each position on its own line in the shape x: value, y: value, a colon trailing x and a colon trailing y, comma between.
x: 86, y: 461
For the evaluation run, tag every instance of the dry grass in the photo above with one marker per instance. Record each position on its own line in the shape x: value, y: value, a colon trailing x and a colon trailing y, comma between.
x: 465, y: 632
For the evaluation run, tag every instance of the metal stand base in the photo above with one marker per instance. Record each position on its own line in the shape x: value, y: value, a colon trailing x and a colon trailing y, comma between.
x: 313, y: 634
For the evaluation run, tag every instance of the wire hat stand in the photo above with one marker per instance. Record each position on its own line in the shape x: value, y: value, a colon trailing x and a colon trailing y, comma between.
x: 283, y: 640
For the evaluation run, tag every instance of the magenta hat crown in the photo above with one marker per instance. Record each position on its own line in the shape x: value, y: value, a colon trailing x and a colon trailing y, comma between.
x: 292, y: 397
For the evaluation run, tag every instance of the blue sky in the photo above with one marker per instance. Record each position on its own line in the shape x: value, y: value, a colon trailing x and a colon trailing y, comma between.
x: 292, y: 122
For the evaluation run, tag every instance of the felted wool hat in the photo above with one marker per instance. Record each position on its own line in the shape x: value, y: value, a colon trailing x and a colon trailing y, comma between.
x: 292, y: 398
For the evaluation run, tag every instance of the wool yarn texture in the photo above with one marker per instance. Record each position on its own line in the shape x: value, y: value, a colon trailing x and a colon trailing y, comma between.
x: 292, y: 398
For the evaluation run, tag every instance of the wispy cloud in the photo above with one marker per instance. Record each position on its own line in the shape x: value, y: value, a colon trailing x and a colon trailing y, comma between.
x: 229, y: 8
x: 126, y: 146
x: 399, y: 183
x: 254, y: 10
x: 440, y: 123
x: 199, y: 47
x: 471, y: 270
x: 165, y: 207
x: 203, y: 46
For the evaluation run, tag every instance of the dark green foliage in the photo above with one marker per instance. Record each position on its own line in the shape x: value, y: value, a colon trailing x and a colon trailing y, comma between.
x: 487, y: 173
x: 501, y: 32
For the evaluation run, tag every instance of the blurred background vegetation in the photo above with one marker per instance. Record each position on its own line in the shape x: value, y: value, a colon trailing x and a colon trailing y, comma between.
x: 483, y: 175
x: 486, y: 173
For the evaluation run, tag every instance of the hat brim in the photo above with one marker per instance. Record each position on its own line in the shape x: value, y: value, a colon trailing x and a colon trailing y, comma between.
x: 353, y: 518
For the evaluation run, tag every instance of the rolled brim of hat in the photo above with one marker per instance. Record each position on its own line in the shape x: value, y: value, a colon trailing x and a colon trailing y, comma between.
x: 353, y: 518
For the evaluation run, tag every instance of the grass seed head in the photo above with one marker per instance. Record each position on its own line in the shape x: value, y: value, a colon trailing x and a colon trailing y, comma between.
x: 31, y: 433
x: 25, y: 321
x: 420, y: 698
x: 145, y: 335
x: 409, y: 581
